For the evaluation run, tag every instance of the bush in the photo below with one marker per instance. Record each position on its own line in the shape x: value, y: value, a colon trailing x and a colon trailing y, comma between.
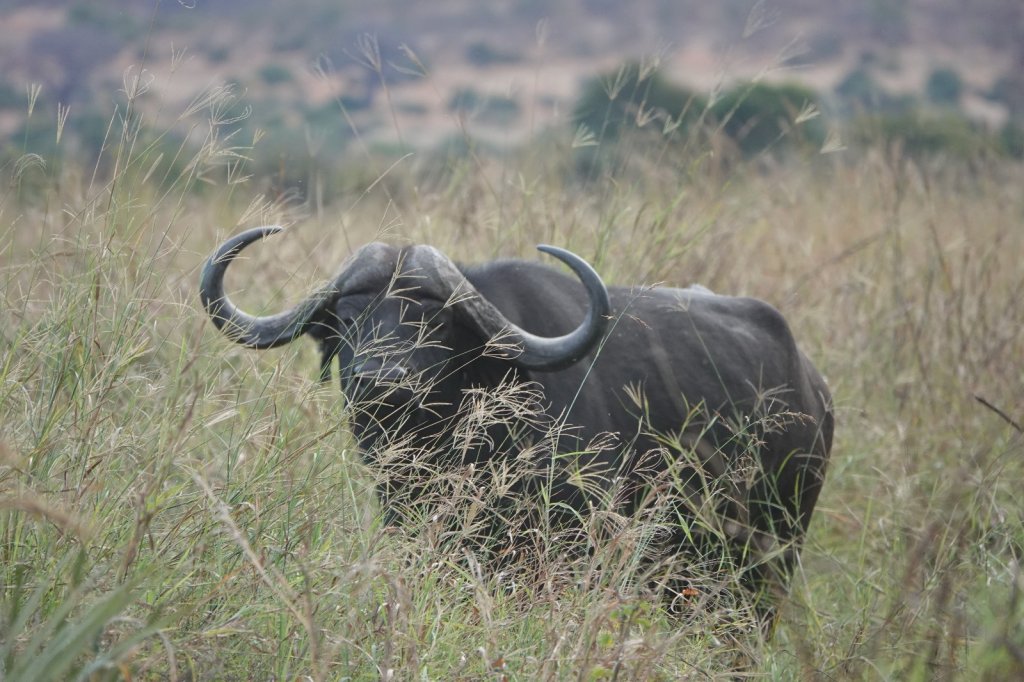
x: 218, y: 54
x: 860, y: 91
x: 485, y: 54
x: 484, y: 108
x: 10, y: 98
x: 1011, y: 140
x: 275, y: 74
x: 760, y: 115
x: 627, y: 97
x: 924, y: 135
x: 945, y: 87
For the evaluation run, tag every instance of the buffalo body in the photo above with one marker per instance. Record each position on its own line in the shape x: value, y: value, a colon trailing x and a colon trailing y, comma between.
x: 638, y: 389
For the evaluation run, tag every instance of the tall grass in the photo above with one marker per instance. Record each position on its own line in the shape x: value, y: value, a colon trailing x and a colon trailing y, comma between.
x: 173, y: 506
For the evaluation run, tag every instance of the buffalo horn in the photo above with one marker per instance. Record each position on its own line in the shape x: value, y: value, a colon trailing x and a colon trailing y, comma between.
x: 525, y: 350
x: 256, y: 332
x: 440, y: 277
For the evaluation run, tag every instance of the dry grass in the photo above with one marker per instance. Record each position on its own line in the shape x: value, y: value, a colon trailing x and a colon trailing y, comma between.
x: 172, y: 506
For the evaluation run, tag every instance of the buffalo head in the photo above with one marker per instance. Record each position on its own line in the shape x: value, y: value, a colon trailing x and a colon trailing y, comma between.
x: 406, y: 327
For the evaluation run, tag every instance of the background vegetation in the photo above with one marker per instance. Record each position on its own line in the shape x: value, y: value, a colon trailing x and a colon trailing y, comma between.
x: 176, y: 507
x: 313, y: 76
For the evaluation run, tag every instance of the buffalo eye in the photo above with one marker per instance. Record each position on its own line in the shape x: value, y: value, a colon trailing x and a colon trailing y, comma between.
x: 433, y: 322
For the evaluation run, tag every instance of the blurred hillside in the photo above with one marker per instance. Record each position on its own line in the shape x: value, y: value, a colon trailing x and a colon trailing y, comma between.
x: 398, y: 74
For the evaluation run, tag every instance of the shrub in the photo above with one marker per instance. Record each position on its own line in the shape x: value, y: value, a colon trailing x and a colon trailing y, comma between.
x: 275, y: 74
x: 922, y: 134
x: 627, y: 97
x: 860, y: 91
x: 1011, y: 140
x: 945, y: 87
x: 10, y: 97
x: 760, y: 115
x: 485, y: 108
x: 484, y: 54
x: 218, y: 54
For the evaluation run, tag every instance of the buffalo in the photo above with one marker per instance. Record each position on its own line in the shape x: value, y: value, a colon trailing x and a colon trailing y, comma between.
x: 644, y: 389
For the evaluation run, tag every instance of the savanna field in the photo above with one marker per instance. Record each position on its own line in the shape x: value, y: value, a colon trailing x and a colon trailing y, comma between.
x: 175, y: 506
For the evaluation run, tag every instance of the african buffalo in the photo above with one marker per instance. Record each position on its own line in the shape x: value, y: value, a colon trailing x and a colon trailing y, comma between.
x: 656, y: 388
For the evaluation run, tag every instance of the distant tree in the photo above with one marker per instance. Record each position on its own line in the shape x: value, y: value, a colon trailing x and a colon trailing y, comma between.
x: 1011, y: 137
x: 275, y: 74
x: 218, y: 54
x: 760, y: 115
x: 944, y: 87
x: 464, y: 99
x: 484, y: 108
x: 924, y: 134
x: 481, y: 53
x: 860, y: 91
x: 630, y: 96
x: 10, y: 97
x: 91, y: 128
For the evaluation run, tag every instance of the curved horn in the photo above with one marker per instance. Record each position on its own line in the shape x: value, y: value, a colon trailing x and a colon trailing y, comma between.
x: 256, y: 332
x: 538, y: 352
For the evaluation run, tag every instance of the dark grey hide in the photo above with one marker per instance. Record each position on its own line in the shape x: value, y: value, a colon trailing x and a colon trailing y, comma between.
x: 652, y: 386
